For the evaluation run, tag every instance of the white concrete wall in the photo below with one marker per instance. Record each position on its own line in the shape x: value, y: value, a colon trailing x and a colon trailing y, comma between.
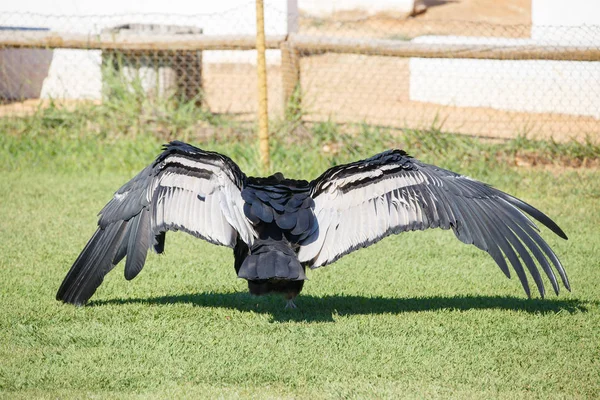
x: 74, y: 74
x: 555, y: 19
x: 567, y: 87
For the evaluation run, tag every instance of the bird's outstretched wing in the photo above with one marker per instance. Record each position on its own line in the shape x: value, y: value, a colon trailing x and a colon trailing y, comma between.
x: 360, y: 203
x: 187, y: 189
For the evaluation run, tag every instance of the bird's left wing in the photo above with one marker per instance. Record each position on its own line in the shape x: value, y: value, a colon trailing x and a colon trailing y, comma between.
x: 187, y: 189
x: 360, y: 203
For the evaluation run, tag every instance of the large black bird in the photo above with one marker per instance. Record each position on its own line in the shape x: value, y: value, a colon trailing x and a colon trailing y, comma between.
x: 277, y: 227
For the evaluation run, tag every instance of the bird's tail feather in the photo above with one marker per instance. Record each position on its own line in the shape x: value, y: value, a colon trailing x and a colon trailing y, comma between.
x: 271, y: 259
x: 94, y: 262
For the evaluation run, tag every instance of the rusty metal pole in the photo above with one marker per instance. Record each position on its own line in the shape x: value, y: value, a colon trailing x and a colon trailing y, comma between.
x: 261, y: 67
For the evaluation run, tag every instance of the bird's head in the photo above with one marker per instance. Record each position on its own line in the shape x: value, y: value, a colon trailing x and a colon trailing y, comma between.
x: 278, y: 176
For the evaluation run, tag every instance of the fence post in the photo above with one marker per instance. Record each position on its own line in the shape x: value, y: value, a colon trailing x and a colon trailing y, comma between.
x: 261, y: 67
x: 290, y: 76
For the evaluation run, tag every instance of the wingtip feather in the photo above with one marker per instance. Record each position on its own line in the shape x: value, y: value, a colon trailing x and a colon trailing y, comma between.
x: 94, y: 262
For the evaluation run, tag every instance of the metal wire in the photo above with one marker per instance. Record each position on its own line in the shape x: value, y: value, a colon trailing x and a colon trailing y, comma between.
x: 558, y: 98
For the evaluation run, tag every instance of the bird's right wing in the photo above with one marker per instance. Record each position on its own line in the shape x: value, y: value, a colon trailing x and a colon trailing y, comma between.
x: 187, y: 189
x: 360, y: 203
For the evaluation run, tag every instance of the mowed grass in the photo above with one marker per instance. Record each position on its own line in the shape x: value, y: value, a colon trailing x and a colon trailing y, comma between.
x: 418, y: 315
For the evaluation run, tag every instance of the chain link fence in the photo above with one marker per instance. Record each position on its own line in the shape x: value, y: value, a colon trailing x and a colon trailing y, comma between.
x: 482, y: 79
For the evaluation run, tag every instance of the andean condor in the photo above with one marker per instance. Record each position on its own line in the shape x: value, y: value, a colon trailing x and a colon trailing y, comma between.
x: 277, y: 226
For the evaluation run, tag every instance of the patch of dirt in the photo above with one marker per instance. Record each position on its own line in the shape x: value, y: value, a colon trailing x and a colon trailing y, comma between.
x: 31, y: 106
x: 232, y: 89
x: 505, y: 12
x: 506, y: 18
x: 552, y: 164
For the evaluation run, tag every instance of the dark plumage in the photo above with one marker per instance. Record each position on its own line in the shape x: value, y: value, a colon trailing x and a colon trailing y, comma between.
x: 277, y: 226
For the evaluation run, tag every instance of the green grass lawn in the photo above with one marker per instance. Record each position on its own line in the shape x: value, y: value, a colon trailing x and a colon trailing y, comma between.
x: 419, y: 315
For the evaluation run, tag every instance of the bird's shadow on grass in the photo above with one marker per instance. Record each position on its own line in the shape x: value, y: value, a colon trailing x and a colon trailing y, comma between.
x: 326, y: 308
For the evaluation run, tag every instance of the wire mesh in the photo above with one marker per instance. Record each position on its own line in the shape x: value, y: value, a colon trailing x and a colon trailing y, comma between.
x: 552, y: 97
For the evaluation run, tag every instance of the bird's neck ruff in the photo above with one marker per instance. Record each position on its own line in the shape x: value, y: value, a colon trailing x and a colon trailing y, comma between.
x: 278, y: 182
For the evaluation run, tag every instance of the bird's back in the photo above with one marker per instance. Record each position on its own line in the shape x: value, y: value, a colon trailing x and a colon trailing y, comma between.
x: 279, y: 208
x: 281, y: 213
